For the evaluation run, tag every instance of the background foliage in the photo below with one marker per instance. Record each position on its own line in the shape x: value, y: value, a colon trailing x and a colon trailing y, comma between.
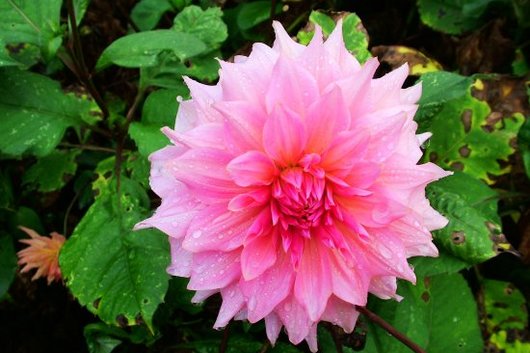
x: 86, y: 85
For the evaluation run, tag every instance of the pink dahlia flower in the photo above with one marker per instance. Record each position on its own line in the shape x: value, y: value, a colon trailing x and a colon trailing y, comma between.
x: 292, y: 186
x: 41, y: 254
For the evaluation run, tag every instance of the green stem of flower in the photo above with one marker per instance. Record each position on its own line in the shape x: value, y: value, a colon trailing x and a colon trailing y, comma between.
x: 390, y: 329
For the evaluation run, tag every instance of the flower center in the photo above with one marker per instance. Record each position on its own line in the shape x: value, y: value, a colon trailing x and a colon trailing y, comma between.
x: 300, y: 200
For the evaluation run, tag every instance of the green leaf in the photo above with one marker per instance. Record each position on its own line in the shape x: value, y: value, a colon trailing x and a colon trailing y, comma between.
x: 445, y: 263
x: 439, y: 314
x: 117, y: 273
x: 50, y: 173
x: 80, y: 7
x: 26, y: 217
x: 8, y: 263
x: 36, y: 113
x: 147, y: 13
x: 159, y: 110
x: 143, y: 49
x: 504, y: 305
x: 160, y: 107
x: 207, y: 25
x: 32, y: 22
x: 463, y: 137
x: 355, y: 36
x: 453, y: 16
x: 101, y: 338
x: 253, y: 13
x: 523, y: 141
x: 5, y: 58
x: 148, y: 138
x: 474, y: 230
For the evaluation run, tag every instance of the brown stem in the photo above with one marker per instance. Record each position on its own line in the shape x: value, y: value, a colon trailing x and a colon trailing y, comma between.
x: 390, y: 329
x: 79, y: 59
x: 265, y: 347
x: 224, y: 343
x: 336, y: 338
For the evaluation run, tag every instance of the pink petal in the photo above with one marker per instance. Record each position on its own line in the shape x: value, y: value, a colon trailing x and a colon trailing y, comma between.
x: 291, y: 86
x: 252, y: 168
x: 314, y: 276
x: 267, y: 291
x: 233, y: 302
x: 295, y: 319
x: 284, y: 44
x: 341, y: 313
x: 180, y: 259
x: 216, y: 228
x: 204, y: 171
x: 209, y: 135
x: 257, y: 256
x: 214, y: 269
x: 284, y: 137
x: 273, y: 327
x: 326, y: 116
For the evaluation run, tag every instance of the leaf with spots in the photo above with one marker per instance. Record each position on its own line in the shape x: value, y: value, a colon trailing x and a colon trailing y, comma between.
x: 467, y: 135
x: 438, y: 313
x: 51, y: 172
x: 32, y: 22
x: 505, y: 315
x: 117, y: 273
x: 474, y: 230
x: 355, y: 36
x: 36, y: 113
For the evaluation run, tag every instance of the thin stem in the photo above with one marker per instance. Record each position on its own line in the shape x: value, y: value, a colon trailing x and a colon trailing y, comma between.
x: 390, y: 329
x: 79, y: 58
x: 336, y: 339
x: 224, y: 343
x: 265, y: 347
x: 122, y: 134
x: 87, y: 147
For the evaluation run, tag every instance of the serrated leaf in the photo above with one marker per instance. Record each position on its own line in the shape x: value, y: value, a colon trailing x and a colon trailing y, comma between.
x: 49, y: 173
x: 207, y: 25
x: 439, y: 314
x: 33, y: 22
x: 117, y: 273
x: 354, y: 34
x: 8, y: 263
x: 452, y: 16
x: 147, y: 13
x: 35, y: 112
x: 143, y: 49
x: 463, y: 137
x: 474, y: 230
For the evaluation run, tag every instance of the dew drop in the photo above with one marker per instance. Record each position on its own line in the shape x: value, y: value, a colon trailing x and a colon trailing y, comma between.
x: 196, y: 234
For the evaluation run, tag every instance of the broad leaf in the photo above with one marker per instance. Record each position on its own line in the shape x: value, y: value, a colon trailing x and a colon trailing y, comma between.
x: 51, y: 172
x: 32, y: 22
x: 35, y: 113
x: 445, y: 263
x: 207, y: 25
x: 143, y: 49
x: 464, y: 138
x: 146, y: 13
x: 117, y: 273
x: 438, y: 313
x: 474, y: 230
x: 8, y: 263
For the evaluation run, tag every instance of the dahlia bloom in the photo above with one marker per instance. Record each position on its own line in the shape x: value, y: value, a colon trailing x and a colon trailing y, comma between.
x: 41, y: 254
x: 292, y: 186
